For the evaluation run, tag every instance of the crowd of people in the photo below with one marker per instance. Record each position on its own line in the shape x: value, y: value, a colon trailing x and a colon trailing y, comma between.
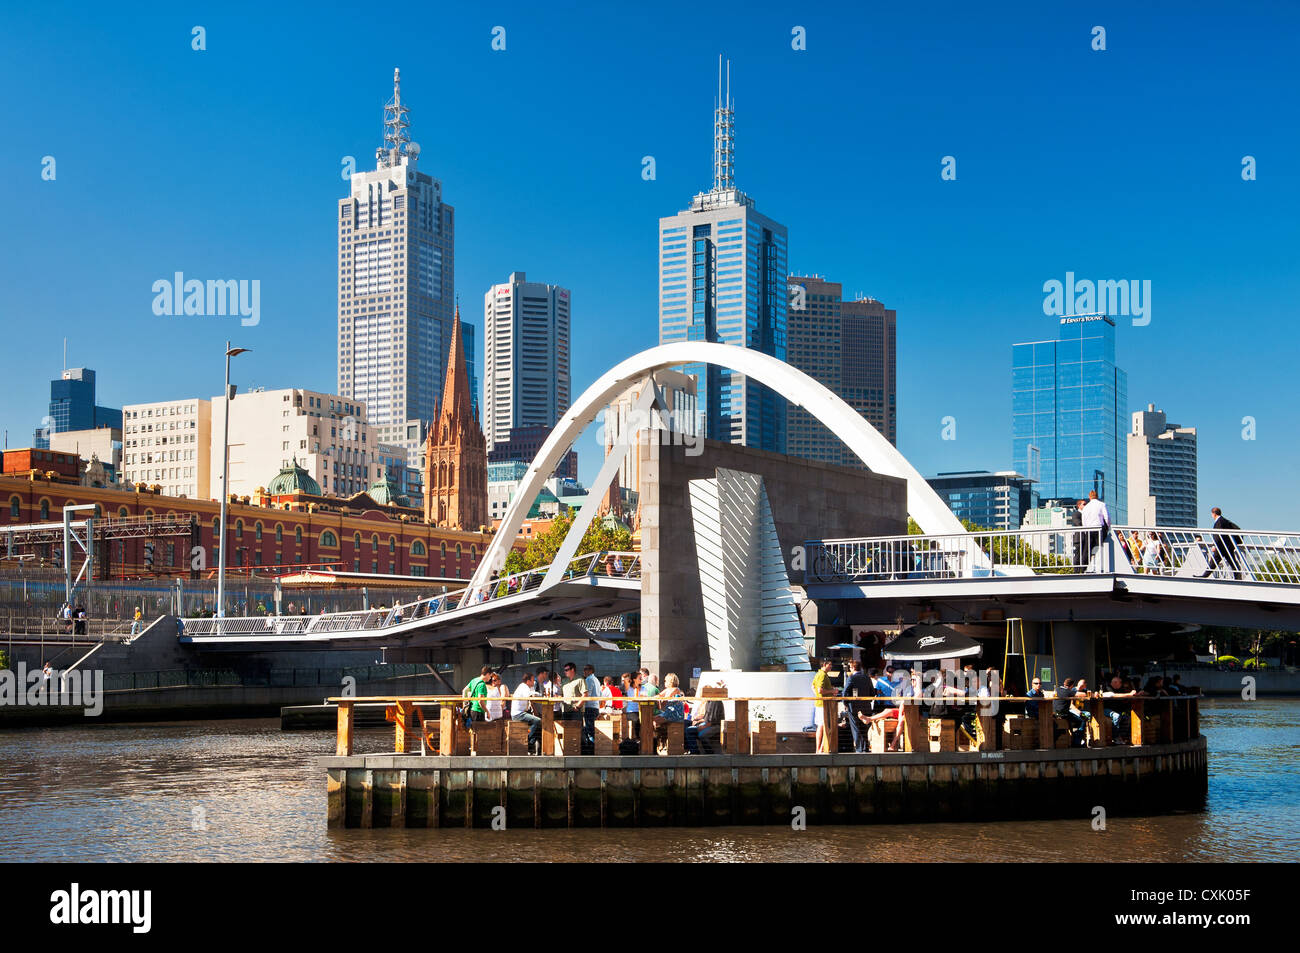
x: 872, y: 696
x: 73, y: 618
x: 584, y: 697
x: 1114, y: 686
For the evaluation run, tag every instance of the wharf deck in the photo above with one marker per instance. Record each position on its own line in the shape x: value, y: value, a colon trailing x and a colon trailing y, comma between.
x: 401, y: 790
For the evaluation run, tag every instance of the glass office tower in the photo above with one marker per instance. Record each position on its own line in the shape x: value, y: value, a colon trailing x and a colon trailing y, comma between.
x: 1069, y: 414
x: 722, y: 271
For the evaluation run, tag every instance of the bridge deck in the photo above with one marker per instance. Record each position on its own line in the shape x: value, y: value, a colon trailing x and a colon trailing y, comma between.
x: 593, y: 585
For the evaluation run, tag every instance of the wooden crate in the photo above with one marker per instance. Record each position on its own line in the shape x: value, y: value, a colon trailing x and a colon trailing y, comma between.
x: 1020, y: 733
x: 607, y: 735
x: 1064, y: 733
x: 674, y: 738
x: 763, y: 738
x: 881, y: 734
x: 487, y: 737
x: 1099, y: 730
x: 986, y: 733
x: 942, y: 733
x: 517, y: 737
x: 568, y: 738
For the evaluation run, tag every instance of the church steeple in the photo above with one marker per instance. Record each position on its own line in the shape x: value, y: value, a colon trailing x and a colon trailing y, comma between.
x: 455, y: 467
x: 457, y: 399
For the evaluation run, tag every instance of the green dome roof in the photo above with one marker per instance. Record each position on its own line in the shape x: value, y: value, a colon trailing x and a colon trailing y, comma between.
x: 293, y: 479
x: 384, y: 491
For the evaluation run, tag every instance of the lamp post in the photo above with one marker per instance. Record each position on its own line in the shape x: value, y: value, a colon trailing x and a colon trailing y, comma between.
x: 225, y: 479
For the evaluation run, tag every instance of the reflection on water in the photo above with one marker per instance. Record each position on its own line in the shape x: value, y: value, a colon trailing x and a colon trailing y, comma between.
x: 244, y: 790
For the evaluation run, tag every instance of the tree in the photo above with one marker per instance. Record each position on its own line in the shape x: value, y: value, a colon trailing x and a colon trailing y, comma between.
x: 542, y: 548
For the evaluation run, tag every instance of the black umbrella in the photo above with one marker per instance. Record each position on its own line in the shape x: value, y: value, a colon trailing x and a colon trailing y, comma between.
x: 930, y: 641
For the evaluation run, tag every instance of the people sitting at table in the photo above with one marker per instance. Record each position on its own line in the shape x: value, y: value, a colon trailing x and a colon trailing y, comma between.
x: 1116, y: 715
x: 611, y: 691
x: 1154, y: 688
x: 910, y: 688
x: 1035, y: 691
x: 521, y: 710
x: 670, y: 702
x: 884, y: 687
x: 1063, y: 707
x: 705, y: 728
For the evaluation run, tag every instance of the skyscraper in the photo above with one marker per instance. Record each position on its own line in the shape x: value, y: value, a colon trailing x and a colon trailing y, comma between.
x: 73, y: 407
x: 722, y: 269
x: 1069, y: 414
x: 850, y: 346
x: 526, y: 356
x: 396, y: 286
x: 1161, y: 471
x: 989, y: 500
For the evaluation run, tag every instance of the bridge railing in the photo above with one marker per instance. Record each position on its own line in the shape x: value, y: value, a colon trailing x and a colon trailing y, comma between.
x: 1252, y: 556
x: 606, y: 563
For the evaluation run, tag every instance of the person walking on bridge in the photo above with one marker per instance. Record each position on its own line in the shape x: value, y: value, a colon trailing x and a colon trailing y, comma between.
x: 1226, y: 545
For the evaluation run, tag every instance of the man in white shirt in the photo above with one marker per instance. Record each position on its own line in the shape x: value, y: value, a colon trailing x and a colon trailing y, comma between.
x: 592, y: 707
x: 520, y: 710
x: 1096, y: 524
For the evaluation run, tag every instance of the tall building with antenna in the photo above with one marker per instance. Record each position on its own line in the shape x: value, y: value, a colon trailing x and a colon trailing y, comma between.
x: 722, y: 270
x: 396, y: 263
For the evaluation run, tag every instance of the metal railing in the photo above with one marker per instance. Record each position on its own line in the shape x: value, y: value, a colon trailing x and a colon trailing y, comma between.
x: 606, y: 563
x: 1251, y: 556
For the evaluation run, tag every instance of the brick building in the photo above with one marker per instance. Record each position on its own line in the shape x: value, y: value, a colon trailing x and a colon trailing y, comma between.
x: 355, y: 535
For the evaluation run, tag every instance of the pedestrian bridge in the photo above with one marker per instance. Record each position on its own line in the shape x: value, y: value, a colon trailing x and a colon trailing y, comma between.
x: 1131, y: 573
x: 588, y: 587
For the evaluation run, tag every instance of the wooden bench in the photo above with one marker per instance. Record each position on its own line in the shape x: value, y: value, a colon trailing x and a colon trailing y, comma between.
x: 672, y: 738
x: 609, y: 731
x: 1099, y: 726
x: 1019, y: 732
x: 763, y: 741
x: 941, y: 734
x: 517, y: 733
x: 568, y: 738
x: 487, y: 738
x: 881, y: 733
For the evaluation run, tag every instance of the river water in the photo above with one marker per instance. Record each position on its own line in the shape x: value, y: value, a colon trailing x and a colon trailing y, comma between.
x: 244, y: 790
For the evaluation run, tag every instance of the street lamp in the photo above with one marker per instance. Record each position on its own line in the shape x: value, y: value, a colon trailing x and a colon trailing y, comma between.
x: 225, y: 479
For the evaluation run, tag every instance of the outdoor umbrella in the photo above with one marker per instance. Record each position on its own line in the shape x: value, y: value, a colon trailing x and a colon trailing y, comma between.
x: 573, y: 637
x: 924, y: 643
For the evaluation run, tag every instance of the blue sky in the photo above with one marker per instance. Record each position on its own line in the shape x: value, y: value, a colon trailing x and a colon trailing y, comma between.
x: 1123, y: 163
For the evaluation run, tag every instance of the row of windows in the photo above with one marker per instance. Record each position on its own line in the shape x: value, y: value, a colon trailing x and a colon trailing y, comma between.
x: 327, y: 537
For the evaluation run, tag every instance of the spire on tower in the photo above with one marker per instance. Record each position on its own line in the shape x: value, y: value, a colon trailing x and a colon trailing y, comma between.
x: 724, y: 135
x: 397, y: 119
x: 457, y: 399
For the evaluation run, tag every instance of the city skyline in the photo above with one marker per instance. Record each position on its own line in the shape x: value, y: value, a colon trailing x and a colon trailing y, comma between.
x: 978, y: 286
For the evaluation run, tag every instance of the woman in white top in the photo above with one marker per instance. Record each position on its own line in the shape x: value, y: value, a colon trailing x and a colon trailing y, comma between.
x: 495, y: 690
x: 1151, y: 562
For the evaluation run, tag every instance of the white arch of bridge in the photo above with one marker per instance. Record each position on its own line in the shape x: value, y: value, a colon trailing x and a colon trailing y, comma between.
x: 879, y: 455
